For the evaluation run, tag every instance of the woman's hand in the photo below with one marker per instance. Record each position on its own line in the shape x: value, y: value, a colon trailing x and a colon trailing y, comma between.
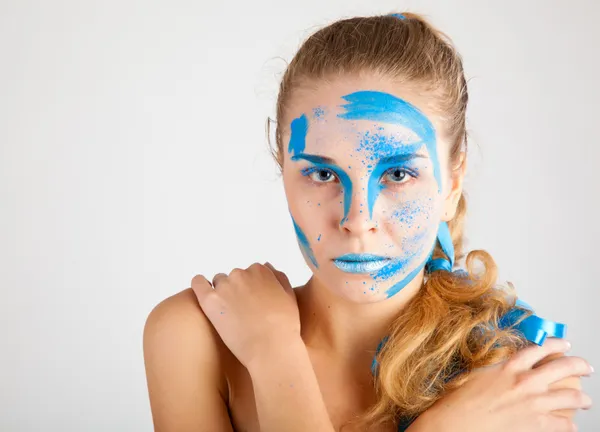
x: 254, y: 310
x: 514, y: 395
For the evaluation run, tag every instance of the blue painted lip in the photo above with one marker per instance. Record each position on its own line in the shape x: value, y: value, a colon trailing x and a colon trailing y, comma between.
x: 360, y: 257
x: 361, y: 263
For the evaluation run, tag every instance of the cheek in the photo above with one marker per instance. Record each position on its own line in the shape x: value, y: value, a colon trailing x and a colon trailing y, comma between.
x: 411, y: 219
x: 311, y: 207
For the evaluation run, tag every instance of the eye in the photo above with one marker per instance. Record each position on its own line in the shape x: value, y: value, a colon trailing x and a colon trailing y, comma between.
x: 398, y: 175
x: 319, y: 175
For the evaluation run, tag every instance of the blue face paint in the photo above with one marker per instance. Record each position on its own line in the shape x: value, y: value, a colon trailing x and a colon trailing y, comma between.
x: 304, y: 243
x: 299, y: 129
x: 395, y: 289
x: 387, y: 108
x: 415, y: 248
x: 322, y: 163
x: 379, y: 153
x: 398, y: 161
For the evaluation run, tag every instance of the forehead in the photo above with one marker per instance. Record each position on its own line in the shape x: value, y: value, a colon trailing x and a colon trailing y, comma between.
x: 363, y: 113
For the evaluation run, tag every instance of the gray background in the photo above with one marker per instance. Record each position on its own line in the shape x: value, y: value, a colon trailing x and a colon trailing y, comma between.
x: 133, y: 157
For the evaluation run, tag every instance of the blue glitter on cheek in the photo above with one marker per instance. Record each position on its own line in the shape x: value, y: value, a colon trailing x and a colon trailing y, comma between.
x: 411, y: 211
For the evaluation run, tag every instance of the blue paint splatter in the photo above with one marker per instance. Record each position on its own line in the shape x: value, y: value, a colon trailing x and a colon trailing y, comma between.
x: 318, y: 113
x: 409, y: 211
x: 304, y: 243
x: 299, y: 129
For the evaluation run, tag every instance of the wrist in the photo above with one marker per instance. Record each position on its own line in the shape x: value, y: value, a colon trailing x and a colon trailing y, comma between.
x: 273, y: 356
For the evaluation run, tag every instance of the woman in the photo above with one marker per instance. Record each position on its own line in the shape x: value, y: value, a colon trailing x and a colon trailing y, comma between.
x: 371, y: 141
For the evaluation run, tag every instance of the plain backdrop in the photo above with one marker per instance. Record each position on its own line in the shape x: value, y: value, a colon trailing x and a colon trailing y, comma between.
x: 133, y: 156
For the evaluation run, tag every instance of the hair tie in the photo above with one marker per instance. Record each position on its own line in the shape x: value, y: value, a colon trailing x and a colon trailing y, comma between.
x: 445, y: 241
x: 438, y: 264
x: 398, y: 15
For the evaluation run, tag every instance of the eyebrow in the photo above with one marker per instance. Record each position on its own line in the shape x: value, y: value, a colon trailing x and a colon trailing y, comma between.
x: 314, y: 158
x: 399, y: 158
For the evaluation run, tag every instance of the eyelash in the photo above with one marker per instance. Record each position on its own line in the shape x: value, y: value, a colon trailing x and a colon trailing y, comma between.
x: 311, y: 170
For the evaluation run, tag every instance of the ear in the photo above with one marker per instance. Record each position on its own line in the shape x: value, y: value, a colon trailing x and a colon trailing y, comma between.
x: 457, y: 176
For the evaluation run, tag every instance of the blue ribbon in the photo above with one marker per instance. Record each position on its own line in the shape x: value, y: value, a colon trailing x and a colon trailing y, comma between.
x: 445, y: 240
x: 534, y: 328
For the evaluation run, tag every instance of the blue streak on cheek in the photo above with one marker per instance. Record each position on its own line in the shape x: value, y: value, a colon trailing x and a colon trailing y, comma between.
x: 395, y: 289
x: 304, y: 243
x: 299, y: 129
x: 398, y: 286
x: 387, y: 108
x: 400, y: 263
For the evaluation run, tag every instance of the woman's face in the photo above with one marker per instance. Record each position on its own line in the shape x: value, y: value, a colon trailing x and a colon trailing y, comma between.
x: 367, y: 183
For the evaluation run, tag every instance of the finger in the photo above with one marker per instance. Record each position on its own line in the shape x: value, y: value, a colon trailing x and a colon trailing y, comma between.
x: 201, y: 287
x: 218, y: 278
x: 281, y: 277
x: 528, y: 357
x: 557, y: 423
x: 564, y: 399
x: 558, y: 369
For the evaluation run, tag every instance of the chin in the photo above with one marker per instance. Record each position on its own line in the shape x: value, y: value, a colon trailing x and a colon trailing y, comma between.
x: 360, y: 288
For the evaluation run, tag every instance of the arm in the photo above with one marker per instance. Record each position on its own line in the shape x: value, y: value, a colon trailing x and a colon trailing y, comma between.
x: 182, y: 368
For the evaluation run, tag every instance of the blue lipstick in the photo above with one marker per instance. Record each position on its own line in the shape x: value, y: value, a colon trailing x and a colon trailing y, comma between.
x: 360, y: 263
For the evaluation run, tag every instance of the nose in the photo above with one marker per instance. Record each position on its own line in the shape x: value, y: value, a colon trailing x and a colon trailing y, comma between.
x: 357, y: 219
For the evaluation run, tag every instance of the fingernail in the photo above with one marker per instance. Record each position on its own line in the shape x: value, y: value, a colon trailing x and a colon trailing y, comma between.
x: 591, y: 369
x: 568, y: 344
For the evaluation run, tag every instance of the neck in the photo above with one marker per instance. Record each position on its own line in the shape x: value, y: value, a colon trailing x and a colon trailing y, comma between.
x: 349, y: 331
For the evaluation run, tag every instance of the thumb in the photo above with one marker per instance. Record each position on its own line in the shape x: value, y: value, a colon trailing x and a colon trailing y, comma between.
x: 282, y: 278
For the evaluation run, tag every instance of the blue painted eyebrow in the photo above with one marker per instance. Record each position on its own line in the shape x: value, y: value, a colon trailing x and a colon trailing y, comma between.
x: 389, y: 160
x: 399, y: 158
x: 314, y: 158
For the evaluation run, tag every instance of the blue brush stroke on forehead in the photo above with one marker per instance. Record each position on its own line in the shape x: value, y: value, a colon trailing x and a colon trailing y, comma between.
x: 299, y: 129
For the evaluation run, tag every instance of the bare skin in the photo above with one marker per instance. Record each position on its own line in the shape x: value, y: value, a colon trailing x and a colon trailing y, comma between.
x: 197, y: 384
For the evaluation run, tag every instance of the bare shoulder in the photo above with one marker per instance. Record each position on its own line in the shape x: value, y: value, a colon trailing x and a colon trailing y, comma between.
x: 182, y: 356
x: 181, y: 314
